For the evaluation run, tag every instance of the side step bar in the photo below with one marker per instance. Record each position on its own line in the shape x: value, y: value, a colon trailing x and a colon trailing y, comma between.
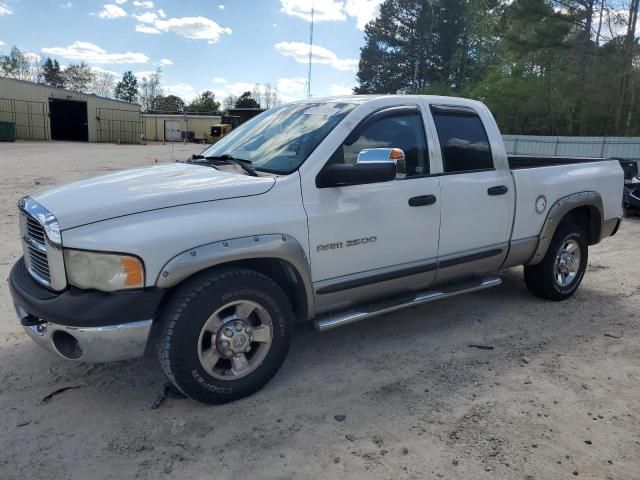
x: 330, y: 321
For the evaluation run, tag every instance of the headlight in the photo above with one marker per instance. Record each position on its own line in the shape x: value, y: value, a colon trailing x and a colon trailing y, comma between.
x: 103, y: 271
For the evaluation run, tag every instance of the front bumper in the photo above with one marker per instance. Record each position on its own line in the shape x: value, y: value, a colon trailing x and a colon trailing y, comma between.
x: 85, y: 326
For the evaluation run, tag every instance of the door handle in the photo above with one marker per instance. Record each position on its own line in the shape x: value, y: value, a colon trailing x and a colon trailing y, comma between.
x: 499, y: 190
x: 422, y: 200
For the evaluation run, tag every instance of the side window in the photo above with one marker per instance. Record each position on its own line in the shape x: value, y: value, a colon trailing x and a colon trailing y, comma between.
x: 402, y: 130
x: 463, y: 140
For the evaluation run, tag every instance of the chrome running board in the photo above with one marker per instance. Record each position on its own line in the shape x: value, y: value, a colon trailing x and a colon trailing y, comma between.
x: 327, y: 322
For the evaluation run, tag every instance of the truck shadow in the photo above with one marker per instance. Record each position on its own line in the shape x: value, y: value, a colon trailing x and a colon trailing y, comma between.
x: 507, y: 320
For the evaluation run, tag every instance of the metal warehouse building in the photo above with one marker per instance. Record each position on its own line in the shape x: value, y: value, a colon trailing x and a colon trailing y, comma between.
x: 176, y: 127
x: 41, y: 112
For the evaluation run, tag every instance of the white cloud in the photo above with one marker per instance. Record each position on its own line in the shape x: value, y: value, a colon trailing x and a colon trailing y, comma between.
x: 144, y: 74
x: 32, y: 57
x: 219, y: 80
x: 111, y: 11
x: 90, y: 53
x: 182, y: 90
x: 161, y: 13
x: 148, y: 17
x: 105, y: 70
x: 238, y: 88
x: 66, y: 5
x: 166, y: 61
x: 146, y: 29
x: 332, y: 10
x: 363, y: 10
x: 196, y: 28
x: 235, y: 88
x: 120, y: 2
x: 1, y: 43
x: 4, y: 9
x: 339, y: 90
x: 291, y: 86
x: 221, y: 7
x: 324, y: 10
x: 146, y: 4
x: 291, y: 89
x: 300, y: 53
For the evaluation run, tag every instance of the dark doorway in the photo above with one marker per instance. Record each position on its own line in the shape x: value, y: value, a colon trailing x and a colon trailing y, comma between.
x: 68, y: 120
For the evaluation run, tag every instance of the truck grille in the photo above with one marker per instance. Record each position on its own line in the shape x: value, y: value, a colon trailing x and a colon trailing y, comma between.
x: 42, y: 255
x: 35, y: 230
x: 35, y: 253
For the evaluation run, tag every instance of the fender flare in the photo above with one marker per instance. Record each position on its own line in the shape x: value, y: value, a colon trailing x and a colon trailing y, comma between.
x: 273, y: 246
x: 559, y: 210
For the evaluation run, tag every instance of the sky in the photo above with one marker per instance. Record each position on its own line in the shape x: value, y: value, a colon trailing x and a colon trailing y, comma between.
x: 221, y: 45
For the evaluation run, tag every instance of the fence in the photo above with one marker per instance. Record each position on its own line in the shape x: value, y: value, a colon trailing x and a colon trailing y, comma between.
x: 620, y: 147
x: 30, y: 118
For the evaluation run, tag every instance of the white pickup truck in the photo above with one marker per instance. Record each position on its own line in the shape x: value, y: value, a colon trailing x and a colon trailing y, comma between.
x: 331, y: 211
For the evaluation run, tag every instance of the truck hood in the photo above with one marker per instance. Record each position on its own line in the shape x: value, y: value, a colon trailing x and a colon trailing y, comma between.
x: 144, y: 189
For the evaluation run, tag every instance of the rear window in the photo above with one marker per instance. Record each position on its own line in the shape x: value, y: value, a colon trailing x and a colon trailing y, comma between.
x: 463, y: 141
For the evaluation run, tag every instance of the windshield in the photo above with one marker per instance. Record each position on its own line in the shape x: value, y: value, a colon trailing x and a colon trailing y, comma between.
x: 280, y: 139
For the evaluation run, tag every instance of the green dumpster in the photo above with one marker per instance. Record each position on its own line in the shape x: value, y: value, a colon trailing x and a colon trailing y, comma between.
x: 7, y: 132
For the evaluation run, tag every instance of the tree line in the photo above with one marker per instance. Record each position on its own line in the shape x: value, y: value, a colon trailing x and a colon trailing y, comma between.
x: 146, y: 90
x: 545, y: 67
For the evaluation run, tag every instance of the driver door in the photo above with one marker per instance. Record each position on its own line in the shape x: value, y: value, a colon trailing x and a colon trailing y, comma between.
x: 374, y: 239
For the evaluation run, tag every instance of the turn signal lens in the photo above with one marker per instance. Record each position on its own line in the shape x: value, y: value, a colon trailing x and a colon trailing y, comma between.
x: 396, y: 154
x: 133, y: 270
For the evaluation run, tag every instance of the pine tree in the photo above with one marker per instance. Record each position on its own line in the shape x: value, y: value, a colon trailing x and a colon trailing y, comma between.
x: 246, y: 101
x: 127, y: 88
x: 52, y: 73
x: 419, y: 44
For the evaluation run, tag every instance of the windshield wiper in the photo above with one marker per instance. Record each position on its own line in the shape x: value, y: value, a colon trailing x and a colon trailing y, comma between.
x: 228, y: 159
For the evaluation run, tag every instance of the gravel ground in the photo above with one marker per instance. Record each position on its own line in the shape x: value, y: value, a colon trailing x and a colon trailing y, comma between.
x: 400, y: 396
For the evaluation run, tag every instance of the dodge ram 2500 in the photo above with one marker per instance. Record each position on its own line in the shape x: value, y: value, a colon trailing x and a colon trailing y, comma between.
x: 330, y: 211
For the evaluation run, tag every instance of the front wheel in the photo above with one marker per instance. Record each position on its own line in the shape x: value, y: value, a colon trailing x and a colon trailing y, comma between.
x: 560, y: 272
x: 226, y: 334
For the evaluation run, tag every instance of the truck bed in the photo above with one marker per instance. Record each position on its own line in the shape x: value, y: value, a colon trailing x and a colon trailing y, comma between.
x: 562, y: 175
x: 518, y: 162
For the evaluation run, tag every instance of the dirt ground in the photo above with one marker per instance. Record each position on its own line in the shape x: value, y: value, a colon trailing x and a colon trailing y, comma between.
x: 400, y: 396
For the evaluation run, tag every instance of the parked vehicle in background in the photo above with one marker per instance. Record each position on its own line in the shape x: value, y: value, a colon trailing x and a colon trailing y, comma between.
x: 331, y: 211
x: 631, y: 194
x: 631, y: 199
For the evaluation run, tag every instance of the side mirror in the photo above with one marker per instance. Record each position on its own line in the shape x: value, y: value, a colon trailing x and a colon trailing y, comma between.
x: 385, y: 155
x: 371, y: 166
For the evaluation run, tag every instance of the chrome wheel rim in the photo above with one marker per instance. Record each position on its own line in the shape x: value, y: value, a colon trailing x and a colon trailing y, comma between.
x: 235, y: 340
x: 567, y: 263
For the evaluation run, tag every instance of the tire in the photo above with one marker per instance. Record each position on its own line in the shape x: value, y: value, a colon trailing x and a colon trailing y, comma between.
x: 204, y: 313
x: 542, y: 279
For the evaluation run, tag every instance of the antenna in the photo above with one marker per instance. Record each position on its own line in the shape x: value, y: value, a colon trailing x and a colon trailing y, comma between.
x: 313, y: 9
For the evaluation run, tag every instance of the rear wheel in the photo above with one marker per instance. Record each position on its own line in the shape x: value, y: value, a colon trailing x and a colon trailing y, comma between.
x: 226, y: 334
x: 560, y: 272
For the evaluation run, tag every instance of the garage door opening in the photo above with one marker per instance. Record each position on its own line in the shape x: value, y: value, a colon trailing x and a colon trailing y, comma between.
x: 68, y: 120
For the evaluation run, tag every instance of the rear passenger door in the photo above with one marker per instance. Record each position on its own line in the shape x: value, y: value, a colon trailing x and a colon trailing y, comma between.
x: 477, y: 196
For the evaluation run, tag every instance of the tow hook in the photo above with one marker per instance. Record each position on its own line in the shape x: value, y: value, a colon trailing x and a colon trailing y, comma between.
x: 28, y: 320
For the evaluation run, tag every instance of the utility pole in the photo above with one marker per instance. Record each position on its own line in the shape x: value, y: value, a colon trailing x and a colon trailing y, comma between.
x: 313, y: 5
